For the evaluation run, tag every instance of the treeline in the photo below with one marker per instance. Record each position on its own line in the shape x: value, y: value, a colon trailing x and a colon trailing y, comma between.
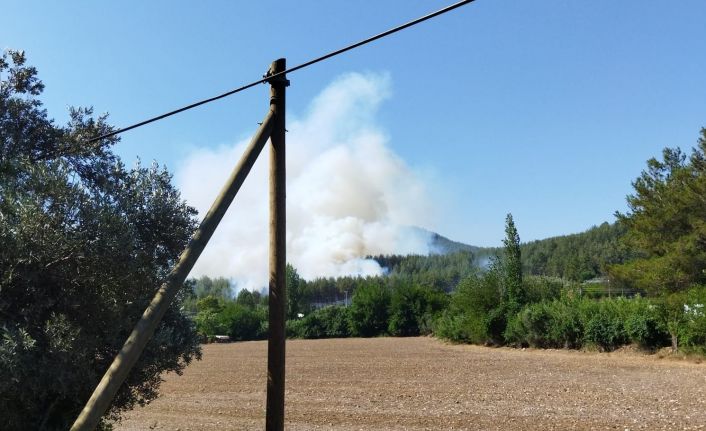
x: 380, y: 306
x: 558, y: 316
x: 404, y: 302
x: 440, y: 271
x: 501, y: 307
x: 576, y: 257
x: 498, y: 306
x: 411, y: 294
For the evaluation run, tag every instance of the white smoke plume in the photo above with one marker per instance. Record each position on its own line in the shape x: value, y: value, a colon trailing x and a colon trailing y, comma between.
x: 348, y: 194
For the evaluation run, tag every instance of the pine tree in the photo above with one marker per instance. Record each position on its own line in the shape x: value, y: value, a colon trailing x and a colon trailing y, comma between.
x: 666, y: 224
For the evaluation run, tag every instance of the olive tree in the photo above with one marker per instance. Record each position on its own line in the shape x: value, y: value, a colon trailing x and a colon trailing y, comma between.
x: 84, y: 243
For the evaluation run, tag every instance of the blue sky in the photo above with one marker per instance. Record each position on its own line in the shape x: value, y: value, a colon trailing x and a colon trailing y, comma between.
x: 546, y: 109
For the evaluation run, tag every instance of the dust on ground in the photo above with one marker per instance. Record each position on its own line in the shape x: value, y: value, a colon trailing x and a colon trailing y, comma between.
x: 425, y: 384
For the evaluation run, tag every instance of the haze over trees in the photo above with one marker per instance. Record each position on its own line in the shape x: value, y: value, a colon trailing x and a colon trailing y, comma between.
x: 84, y: 242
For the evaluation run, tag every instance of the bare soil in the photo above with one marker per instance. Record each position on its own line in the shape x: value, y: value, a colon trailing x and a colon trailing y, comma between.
x: 425, y: 384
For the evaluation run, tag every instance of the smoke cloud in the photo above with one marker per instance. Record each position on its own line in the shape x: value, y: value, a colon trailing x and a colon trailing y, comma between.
x: 348, y: 194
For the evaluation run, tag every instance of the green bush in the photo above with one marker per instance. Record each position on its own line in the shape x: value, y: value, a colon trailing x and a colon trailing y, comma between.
x: 336, y: 321
x: 606, y: 324
x: 209, y: 323
x: 555, y: 324
x: 542, y: 289
x: 531, y: 326
x: 369, y: 310
x: 692, y: 334
x: 405, y: 306
x: 327, y: 322
x: 413, y: 308
x: 467, y: 317
x: 308, y: 327
x: 243, y: 323
x: 496, y: 323
x: 645, y: 325
x: 462, y: 328
x: 604, y: 327
x: 567, y: 329
x: 208, y: 319
x: 240, y: 322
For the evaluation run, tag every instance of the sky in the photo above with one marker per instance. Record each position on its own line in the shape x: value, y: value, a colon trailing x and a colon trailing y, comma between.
x: 546, y: 109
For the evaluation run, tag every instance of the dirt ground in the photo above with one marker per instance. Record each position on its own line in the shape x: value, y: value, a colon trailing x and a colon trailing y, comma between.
x: 425, y: 384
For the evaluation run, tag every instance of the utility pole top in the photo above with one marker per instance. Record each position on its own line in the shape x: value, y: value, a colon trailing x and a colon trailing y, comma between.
x: 277, y: 66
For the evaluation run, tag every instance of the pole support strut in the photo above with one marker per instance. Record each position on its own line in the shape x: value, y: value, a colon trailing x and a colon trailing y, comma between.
x: 115, y: 376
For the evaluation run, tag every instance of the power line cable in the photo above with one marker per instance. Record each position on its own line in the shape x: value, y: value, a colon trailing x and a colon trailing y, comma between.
x: 290, y: 70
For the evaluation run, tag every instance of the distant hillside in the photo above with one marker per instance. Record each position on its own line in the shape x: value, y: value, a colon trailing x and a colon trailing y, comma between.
x: 442, y: 245
x: 579, y: 257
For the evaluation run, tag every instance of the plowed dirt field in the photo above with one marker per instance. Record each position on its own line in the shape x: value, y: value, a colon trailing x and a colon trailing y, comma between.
x: 425, y: 384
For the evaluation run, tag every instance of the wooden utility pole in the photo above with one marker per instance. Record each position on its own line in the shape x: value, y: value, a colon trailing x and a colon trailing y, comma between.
x: 278, y: 257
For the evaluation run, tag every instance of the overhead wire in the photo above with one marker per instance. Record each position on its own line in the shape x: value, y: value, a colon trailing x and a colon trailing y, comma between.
x: 267, y: 78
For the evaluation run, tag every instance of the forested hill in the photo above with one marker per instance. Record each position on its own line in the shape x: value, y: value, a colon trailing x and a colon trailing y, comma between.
x: 442, y: 245
x: 577, y: 257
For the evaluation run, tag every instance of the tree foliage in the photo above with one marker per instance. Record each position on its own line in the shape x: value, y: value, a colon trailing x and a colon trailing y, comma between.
x: 577, y: 257
x: 84, y: 242
x: 666, y: 223
x: 413, y: 308
x: 207, y: 286
x: 437, y: 271
x: 294, y: 292
x: 327, y: 322
x: 513, y: 291
x: 466, y: 318
x: 370, y: 308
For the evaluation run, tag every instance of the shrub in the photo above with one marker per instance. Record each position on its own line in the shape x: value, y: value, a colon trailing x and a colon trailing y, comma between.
x: 463, y: 327
x: 209, y: 323
x: 370, y: 309
x: 645, y: 326
x: 413, y: 308
x: 405, y: 307
x: 567, y: 329
x: 673, y: 317
x: 554, y: 324
x: 530, y: 327
x: 692, y: 336
x: 336, y: 321
x: 308, y: 327
x: 243, y: 323
x: 327, y: 322
x: 542, y: 289
x: 604, y: 328
x: 496, y: 323
x: 467, y: 316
